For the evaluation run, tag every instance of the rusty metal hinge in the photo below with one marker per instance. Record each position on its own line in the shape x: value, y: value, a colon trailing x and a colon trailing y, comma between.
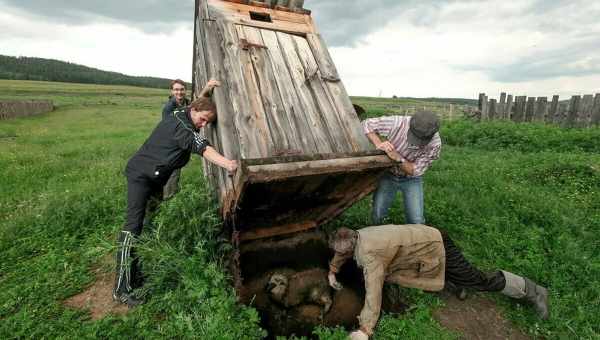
x: 245, y: 44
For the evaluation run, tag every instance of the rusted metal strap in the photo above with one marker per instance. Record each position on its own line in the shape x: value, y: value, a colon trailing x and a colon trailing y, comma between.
x: 245, y: 44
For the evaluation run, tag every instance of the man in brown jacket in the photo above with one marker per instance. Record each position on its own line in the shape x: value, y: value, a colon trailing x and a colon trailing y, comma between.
x: 418, y: 256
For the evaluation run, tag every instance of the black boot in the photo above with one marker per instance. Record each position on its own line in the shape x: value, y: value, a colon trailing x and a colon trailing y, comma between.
x: 538, y: 296
x: 123, y: 291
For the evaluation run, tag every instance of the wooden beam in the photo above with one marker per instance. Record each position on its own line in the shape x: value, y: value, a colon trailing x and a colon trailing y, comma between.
x: 509, y: 107
x: 596, y: 111
x: 584, y: 116
x: 276, y: 172
x: 541, y: 107
x: 260, y: 233
x: 520, y: 104
x: 502, y: 106
x: 492, y: 109
x: 551, y: 117
x: 530, y: 109
x: 574, y: 108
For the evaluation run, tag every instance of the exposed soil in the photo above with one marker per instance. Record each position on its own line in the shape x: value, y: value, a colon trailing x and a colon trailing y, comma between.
x: 97, y: 298
x: 476, y: 318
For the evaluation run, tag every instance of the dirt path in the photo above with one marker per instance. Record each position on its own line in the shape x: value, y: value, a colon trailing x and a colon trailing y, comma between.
x: 97, y: 298
x: 476, y: 318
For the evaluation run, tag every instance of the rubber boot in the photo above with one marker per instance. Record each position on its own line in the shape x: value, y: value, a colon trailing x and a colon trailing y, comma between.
x: 122, y: 290
x: 523, y: 288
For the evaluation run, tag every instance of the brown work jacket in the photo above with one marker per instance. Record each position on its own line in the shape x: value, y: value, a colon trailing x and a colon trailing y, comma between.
x: 410, y: 255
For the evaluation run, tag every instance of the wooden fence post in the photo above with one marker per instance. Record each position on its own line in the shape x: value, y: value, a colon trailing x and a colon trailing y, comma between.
x: 553, y: 111
x: 587, y: 104
x: 574, y: 106
x: 509, y: 107
x: 483, y: 106
x: 502, y: 106
x: 520, y: 103
x: 530, y: 111
x: 541, y: 108
x: 493, y: 109
x: 596, y: 111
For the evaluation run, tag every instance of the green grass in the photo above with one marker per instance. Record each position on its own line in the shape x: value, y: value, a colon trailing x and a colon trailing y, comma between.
x: 525, y: 198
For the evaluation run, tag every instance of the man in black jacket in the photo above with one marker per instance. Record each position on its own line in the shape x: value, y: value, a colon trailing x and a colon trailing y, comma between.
x: 178, y: 101
x: 168, y: 148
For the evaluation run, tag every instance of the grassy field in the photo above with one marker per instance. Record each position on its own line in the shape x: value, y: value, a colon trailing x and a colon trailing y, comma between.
x: 525, y: 198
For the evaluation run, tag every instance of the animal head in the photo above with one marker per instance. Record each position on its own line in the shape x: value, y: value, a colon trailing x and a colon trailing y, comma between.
x: 277, y: 286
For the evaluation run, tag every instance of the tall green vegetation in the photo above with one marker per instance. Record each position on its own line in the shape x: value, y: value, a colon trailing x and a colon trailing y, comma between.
x: 27, y: 68
x: 531, y: 210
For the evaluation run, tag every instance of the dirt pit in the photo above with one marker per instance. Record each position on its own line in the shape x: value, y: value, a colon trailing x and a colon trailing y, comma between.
x: 97, y: 298
x: 303, y: 259
x: 476, y: 318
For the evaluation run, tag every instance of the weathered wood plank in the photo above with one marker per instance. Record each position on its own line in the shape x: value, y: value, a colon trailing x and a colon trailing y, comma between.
x: 520, y: 104
x: 483, y: 106
x: 323, y: 58
x: 334, y: 127
x: 530, y: 110
x: 294, y: 23
x: 308, y: 106
x: 541, y: 107
x: 551, y: 117
x: 509, y: 107
x: 502, y: 106
x: 584, y: 116
x: 275, y: 172
x: 596, y: 110
x: 492, y: 109
x: 250, y: 127
x: 574, y: 108
x: 300, y: 133
x: 274, y: 111
x: 260, y: 233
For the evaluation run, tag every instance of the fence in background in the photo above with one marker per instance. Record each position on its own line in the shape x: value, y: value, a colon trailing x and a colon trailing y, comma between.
x: 579, y: 111
x: 21, y: 108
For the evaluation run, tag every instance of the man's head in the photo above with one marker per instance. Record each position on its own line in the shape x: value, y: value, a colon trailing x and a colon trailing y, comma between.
x: 202, y: 112
x: 423, y: 125
x: 178, y: 89
x: 343, y: 241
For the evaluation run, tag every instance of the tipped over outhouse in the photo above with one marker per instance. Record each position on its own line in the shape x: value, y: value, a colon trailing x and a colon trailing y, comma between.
x: 284, y: 113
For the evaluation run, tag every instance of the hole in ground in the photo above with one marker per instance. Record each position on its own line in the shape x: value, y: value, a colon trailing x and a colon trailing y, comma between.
x: 303, y: 259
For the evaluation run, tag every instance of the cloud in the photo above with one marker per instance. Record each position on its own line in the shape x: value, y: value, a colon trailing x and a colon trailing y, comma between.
x: 148, y: 15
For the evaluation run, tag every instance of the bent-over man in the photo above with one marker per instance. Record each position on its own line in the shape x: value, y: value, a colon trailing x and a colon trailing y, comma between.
x: 418, y: 256
x: 168, y: 148
x: 417, y: 143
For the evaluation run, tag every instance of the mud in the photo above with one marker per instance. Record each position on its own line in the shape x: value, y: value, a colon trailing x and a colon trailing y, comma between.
x: 97, y: 298
x: 477, y: 318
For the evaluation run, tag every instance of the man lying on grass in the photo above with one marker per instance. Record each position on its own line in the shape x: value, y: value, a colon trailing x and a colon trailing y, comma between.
x: 168, y: 148
x: 418, y: 256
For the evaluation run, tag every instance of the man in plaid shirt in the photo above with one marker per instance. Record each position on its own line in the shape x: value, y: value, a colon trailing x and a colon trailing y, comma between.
x: 416, y: 139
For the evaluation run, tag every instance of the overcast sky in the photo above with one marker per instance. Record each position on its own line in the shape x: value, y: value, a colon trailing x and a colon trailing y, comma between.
x: 419, y: 48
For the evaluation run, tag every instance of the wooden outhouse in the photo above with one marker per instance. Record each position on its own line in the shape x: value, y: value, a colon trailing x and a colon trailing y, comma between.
x: 284, y: 113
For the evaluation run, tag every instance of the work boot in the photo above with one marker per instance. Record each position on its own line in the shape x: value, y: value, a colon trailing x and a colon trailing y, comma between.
x: 538, y: 296
x: 523, y: 288
x: 459, y: 291
x: 122, y: 291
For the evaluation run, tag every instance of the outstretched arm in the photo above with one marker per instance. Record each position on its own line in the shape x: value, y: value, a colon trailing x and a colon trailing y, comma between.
x: 207, y: 91
x: 216, y: 158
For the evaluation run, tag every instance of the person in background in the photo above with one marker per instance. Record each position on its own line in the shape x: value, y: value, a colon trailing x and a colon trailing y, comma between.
x: 168, y: 148
x: 415, y: 143
x: 418, y: 256
x: 179, y: 101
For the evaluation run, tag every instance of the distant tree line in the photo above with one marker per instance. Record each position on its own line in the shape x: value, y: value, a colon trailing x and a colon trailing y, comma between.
x: 26, y: 68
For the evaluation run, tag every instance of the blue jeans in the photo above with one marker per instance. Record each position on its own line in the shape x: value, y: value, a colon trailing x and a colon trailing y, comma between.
x: 412, y: 190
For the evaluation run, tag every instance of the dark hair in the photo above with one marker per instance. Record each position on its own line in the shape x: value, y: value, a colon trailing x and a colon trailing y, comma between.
x: 177, y: 81
x: 343, y: 240
x: 205, y: 104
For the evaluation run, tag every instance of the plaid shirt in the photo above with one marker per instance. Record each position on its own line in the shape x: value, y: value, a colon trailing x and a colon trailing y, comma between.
x: 395, y: 129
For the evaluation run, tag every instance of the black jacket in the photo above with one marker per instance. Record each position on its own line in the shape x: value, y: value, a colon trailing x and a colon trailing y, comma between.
x: 168, y: 148
x: 172, y: 105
